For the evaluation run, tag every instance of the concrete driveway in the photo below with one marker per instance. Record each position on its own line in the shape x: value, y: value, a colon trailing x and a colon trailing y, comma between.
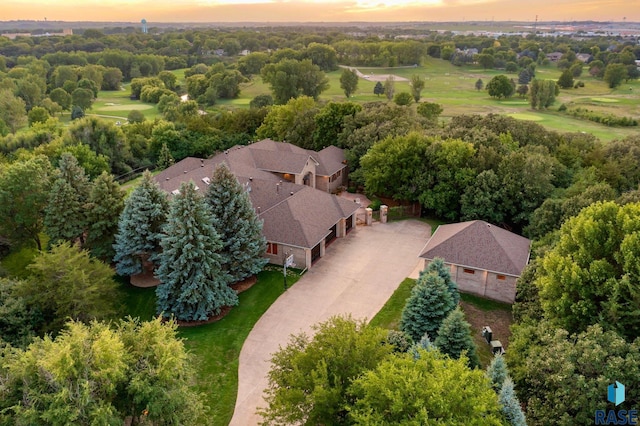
x: 357, y: 276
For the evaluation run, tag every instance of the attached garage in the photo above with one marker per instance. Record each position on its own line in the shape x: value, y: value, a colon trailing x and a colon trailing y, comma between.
x: 315, y: 253
x: 332, y: 235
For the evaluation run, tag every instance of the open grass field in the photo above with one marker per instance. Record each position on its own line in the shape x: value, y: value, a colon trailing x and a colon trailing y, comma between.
x: 478, y: 312
x: 454, y: 88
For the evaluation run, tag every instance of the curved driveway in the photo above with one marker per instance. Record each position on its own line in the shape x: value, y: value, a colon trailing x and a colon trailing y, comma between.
x: 357, y: 276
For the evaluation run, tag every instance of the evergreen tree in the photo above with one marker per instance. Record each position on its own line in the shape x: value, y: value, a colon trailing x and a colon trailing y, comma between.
x: 238, y: 225
x: 193, y: 285
x: 511, y: 405
x: 454, y: 337
x: 429, y: 304
x: 378, y: 89
x: 75, y: 175
x: 139, y: 227
x: 165, y: 159
x: 438, y: 266
x: 105, y: 205
x: 497, y: 372
x: 479, y: 84
x: 65, y: 217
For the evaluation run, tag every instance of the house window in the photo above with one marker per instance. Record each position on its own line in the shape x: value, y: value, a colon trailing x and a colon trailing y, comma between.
x: 501, y: 277
x: 339, y: 173
x: 468, y: 271
x: 272, y: 248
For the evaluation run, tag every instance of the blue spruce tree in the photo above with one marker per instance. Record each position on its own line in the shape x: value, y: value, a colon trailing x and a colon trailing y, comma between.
x: 497, y: 372
x: 193, y: 287
x: 139, y: 228
x: 454, y: 337
x: 511, y: 405
x: 437, y: 265
x: 238, y: 225
x: 429, y: 304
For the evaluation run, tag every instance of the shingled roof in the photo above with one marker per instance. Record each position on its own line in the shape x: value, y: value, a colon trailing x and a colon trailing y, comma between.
x: 293, y: 214
x: 480, y: 245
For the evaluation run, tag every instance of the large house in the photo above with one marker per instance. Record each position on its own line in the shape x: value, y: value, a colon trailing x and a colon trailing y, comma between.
x: 290, y: 190
x: 485, y: 259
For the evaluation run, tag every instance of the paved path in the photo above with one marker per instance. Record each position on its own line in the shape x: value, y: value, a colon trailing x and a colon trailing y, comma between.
x: 358, y: 275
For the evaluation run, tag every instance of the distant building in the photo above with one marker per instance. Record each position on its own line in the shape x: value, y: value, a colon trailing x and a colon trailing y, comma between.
x: 555, y: 56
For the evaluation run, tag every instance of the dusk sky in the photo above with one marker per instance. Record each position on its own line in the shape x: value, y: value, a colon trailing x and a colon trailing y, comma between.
x: 318, y: 10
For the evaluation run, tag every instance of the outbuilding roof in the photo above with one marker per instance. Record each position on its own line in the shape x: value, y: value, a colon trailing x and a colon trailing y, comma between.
x: 478, y: 244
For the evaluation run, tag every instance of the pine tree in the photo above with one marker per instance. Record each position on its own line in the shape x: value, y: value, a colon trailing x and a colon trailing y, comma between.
x: 378, y: 89
x: 193, y: 286
x: 64, y: 218
x: 237, y: 224
x: 497, y: 372
x: 454, y: 337
x: 139, y: 227
x: 74, y: 174
x: 424, y: 343
x: 66, y: 214
x: 429, y: 304
x: 165, y: 159
x: 438, y: 266
x: 511, y: 405
x: 105, y: 205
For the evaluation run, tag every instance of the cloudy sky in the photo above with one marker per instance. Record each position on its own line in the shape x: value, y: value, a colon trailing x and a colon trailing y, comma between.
x: 317, y: 10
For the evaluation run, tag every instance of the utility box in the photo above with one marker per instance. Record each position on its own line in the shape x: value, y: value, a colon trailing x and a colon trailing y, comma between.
x: 487, y: 333
x: 384, y: 210
x: 496, y: 347
x: 369, y: 217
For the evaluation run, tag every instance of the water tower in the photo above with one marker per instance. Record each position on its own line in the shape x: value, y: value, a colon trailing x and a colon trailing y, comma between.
x: 144, y: 26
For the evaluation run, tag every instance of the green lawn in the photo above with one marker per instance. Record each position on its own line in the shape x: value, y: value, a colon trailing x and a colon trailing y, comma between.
x: 216, y: 347
x: 389, y: 316
x: 478, y: 312
x: 454, y: 88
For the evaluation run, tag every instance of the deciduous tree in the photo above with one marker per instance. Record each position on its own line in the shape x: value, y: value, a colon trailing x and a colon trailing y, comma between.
x: 500, y: 87
x: 587, y: 278
x: 24, y: 192
x: 348, y: 82
x: 193, y: 284
x: 12, y: 110
x: 67, y: 282
x: 614, y: 74
x: 94, y: 374
x: 310, y: 377
x: 417, y: 85
x: 431, y: 389
x: 290, y: 78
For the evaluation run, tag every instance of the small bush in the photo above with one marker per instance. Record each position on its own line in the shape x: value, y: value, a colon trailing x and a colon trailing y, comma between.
x: 375, y: 204
x: 562, y: 108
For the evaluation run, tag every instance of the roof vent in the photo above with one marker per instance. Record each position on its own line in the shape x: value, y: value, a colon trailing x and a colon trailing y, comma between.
x: 185, y: 172
x: 166, y: 178
x: 291, y: 192
x: 258, y: 210
x: 251, y: 178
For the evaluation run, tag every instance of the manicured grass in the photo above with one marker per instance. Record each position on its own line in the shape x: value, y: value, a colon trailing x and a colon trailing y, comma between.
x: 389, y: 316
x: 139, y: 302
x: 485, y: 304
x: 478, y: 312
x: 216, y: 347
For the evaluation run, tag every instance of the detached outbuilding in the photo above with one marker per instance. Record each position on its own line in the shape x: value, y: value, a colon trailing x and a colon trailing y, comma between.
x: 485, y: 260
